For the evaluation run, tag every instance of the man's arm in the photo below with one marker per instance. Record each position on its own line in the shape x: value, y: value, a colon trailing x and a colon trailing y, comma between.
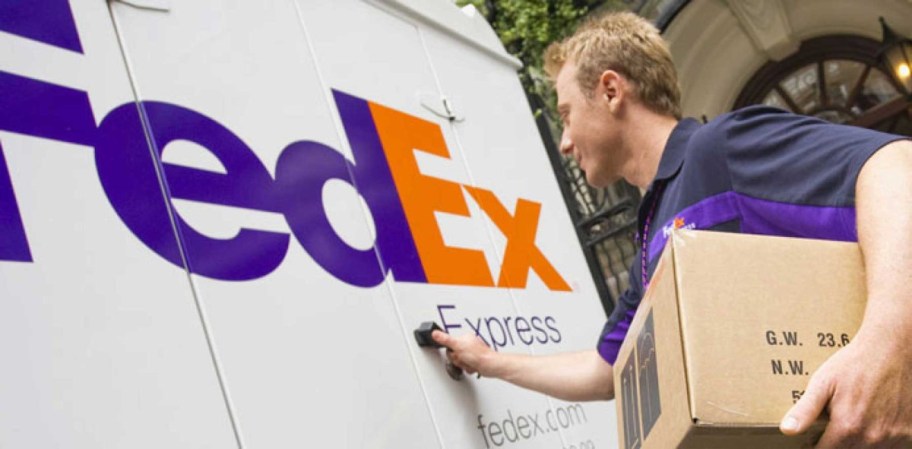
x: 867, y: 386
x: 576, y: 376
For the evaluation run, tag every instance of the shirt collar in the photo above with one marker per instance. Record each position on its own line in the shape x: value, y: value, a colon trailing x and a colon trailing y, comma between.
x: 676, y: 148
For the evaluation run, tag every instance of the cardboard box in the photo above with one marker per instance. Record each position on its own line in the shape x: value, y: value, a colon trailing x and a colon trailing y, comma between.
x: 728, y: 334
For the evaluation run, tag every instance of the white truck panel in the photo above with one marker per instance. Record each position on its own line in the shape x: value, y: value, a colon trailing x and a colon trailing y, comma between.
x: 102, y: 345
x: 317, y: 158
x: 493, y: 158
x: 308, y: 360
x: 514, y: 160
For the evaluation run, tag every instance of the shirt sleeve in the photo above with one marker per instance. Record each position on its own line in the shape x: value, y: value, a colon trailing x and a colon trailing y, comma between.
x: 618, y: 323
x: 795, y: 175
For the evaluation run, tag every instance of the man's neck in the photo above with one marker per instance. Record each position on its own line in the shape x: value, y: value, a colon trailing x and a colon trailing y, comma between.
x: 648, y: 136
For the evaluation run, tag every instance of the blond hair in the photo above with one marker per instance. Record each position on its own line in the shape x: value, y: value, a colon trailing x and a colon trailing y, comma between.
x: 627, y: 44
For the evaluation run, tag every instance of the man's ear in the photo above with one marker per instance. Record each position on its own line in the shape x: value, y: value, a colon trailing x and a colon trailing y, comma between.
x: 612, y: 88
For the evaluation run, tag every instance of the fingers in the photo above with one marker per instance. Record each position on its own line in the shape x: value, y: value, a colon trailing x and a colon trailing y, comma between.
x: 449, y: 342
x: 834, y: 438
x: 442, y: 338
x: 467, y: 369
x: 803, y: 414
x: 456, y: 343
x: 453, y: 359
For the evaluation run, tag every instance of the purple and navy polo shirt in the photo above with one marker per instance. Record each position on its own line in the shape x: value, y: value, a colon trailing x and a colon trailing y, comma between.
x: 758, y: 170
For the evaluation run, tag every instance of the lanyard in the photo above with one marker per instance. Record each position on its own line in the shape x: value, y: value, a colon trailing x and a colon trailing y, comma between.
x: 657, y: 193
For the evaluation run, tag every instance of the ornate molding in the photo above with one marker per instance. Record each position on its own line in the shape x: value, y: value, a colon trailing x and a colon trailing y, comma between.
x: 767, y: 25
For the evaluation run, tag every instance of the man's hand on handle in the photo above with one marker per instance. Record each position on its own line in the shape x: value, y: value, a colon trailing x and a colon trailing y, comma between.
x: 571, y: 376
x: 468, y: 352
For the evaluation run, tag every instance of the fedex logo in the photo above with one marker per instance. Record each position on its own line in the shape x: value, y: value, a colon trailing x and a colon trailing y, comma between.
x: 678, y: 223
x: 402, y: 201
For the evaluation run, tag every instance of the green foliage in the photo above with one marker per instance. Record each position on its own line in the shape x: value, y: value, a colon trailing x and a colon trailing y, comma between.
x: 527, y: 27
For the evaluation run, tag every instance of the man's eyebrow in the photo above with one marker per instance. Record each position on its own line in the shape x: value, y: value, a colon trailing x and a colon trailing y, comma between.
x: 563, y: 108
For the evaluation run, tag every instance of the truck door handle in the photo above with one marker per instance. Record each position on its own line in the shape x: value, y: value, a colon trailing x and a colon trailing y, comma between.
x: 424, y: 339
x: 423, y: 335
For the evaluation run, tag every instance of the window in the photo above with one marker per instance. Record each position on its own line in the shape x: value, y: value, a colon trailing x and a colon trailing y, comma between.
x: 835, y: 78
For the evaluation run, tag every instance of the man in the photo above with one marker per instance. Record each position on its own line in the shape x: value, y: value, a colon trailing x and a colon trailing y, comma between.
x: 758, y: 170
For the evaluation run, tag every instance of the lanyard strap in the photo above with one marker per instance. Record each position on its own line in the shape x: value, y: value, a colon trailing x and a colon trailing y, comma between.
x: 657, y: 194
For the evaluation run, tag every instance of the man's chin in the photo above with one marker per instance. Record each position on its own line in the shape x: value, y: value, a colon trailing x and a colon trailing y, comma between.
x: 600, y: 182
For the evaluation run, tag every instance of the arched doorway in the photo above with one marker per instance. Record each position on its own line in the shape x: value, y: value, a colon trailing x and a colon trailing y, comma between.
x: 835, y: 78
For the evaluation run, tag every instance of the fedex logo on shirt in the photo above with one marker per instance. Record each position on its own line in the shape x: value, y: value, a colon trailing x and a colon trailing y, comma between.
x: 402, y: 201
x: 679, y: 222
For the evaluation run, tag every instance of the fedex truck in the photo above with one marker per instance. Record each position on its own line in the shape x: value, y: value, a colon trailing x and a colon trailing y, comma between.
x: 221, y: 222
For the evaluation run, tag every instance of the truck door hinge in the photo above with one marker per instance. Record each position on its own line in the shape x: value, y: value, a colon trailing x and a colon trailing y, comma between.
x: 441, y: 107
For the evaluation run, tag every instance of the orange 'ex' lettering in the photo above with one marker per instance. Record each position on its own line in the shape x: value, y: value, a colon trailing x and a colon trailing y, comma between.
x: 421, y: 196
x: 521, y: 254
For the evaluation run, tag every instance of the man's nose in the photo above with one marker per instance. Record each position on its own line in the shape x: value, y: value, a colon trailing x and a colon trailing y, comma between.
x: 566, y: 145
